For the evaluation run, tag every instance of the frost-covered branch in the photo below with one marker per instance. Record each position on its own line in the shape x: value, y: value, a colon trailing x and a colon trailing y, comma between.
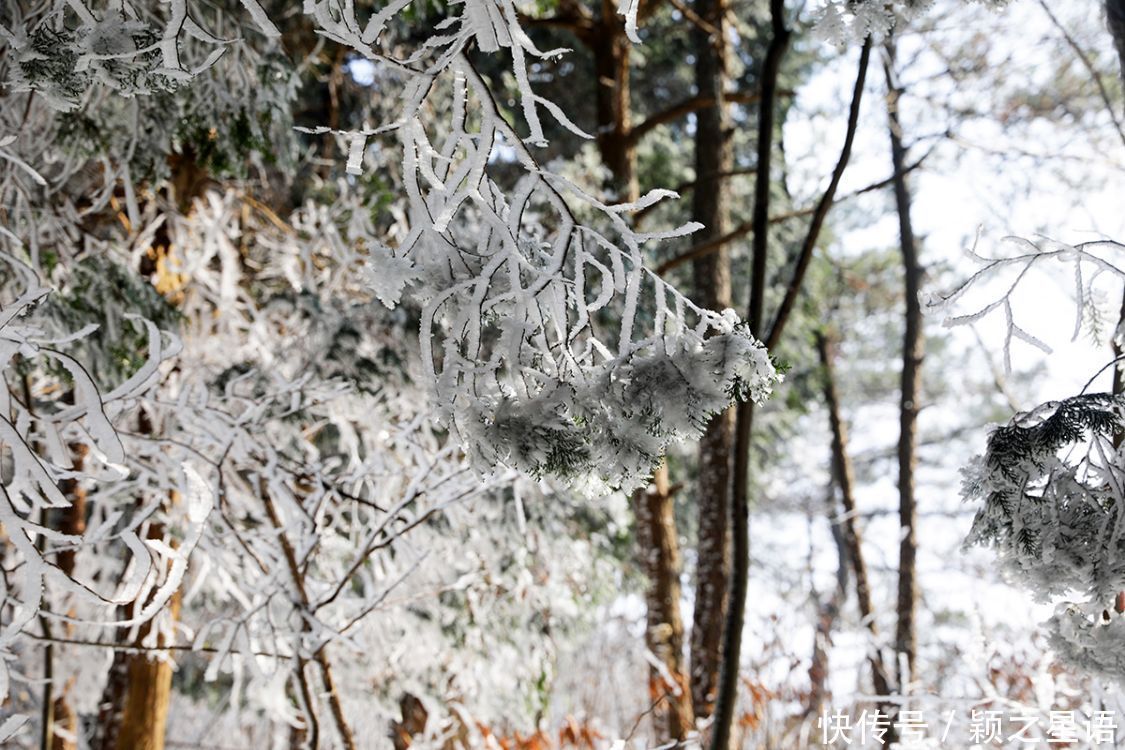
x: 1088, y: 261
x: 1052, y: 484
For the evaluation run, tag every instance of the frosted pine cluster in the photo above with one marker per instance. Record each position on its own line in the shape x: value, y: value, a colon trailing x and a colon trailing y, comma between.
x: 1052, y: 484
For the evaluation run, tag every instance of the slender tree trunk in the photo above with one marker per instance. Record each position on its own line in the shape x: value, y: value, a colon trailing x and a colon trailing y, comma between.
x: 47, y: 699
x: 664, y: 635
x: 47, y: 696
x: 828, y: 612
x: 906, y: 639
x: 1115, y: 20
x: 853, y: 540
x: 148, y: 696
x: 654, y: 517
x: 710, y: 206
x: 134, y: 707
x: 727, y: 697
x: 65, y: 718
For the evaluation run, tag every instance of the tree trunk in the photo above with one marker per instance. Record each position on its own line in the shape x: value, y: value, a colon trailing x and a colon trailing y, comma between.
x: 664, y: 635
x: 727, y: 694
x: 906, y: 639
x: 134, y: 706
x: 65, y: 718
x: 828, y: 612
x: 611, y: 48
x: 145, y: 715
x: 853, y: 540
x: 710, y: 207
x: 148, y: 691
x: 1115, y: 21
x: 658, y: 545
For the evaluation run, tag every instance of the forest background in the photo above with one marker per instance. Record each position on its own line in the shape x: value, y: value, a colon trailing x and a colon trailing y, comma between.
x: 310, y: 536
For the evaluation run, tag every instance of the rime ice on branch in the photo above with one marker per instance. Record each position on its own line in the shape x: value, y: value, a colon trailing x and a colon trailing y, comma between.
x: 1051, y: 483
x: 544, y: 339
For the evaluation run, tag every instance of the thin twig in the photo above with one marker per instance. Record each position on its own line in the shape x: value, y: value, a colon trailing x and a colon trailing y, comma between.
x: 1089, y: 65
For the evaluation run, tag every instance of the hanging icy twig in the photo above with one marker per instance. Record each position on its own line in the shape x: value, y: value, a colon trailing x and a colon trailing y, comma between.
x: 1098, y: 256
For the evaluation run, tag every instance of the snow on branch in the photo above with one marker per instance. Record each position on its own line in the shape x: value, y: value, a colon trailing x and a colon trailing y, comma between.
x: 1087, y: 262
x: 1051, y: 483
x: 542, y: 329
x: 37, y: 439
x: 1052, y: 486
x: 841, y: 21
x: 553, y: 348
x: 542, y: 338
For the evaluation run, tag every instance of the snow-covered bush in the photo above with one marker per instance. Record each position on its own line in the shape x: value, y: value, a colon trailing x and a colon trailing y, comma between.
x: 324, y: 378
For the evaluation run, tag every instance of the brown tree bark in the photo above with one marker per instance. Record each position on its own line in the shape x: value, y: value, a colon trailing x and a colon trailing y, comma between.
x: 654, y: 518
x: 906, y: 638
x: 853, y: 540
x: 138, y: 691
x: 659, y: 551
x: 611, y: 48
x: 727, y: 694
x: 65, y: 718
x: 710, y: 207
x: 147, y: 698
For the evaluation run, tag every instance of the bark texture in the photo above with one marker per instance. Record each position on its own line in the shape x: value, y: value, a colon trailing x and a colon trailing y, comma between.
x: 906, y: 638
x: 664, y: 635
x: 611, y: 48
x: 852, y: 539
x: 149, y: 691
x: 710, y: 206
x: 134, y: 706
x: 727, y: 695
x: 64, y: 723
